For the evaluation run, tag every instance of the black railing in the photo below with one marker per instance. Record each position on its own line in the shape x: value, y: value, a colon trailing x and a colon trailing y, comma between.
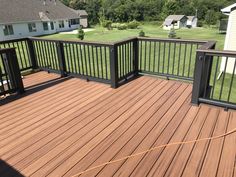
x: 217, y: 74
x: 87, y: 60
x: 171, y: 58
x: 22, y: 51
x: 114, y: 63
x: 10, y: 76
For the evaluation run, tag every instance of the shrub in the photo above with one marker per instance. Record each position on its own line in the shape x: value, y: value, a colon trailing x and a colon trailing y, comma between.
x: 81, y: 33
x: 115, y: 25
x: 122, y: 27
x: 172, y: 34
x: 106, y: 24
x: 133, y: 24
x: 200, y: 23
x: 141, y: 33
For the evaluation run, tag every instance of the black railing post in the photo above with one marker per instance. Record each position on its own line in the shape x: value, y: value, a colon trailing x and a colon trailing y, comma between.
x: 13, y: 71
x: 32, y: 54
x: 114, y: 65
x: 61, y: 59
x: 136, y: 56
x: 198, y: 84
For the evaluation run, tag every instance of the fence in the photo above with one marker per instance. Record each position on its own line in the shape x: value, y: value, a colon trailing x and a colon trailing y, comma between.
x: 22, y: 51
x: 10, y: 76
x: 167, y: 57
x: 216, y: 74
x: 114, y: 63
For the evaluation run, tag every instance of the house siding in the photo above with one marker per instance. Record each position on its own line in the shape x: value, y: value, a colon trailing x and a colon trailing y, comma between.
x: 230, y: 43
x: 21, y: 30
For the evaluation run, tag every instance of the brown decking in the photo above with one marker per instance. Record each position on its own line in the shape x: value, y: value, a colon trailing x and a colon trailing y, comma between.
x: 73, y: 125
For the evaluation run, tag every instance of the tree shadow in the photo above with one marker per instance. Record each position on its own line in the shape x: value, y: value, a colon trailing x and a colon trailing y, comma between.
x: 7, y: 170
x: 33, y: 89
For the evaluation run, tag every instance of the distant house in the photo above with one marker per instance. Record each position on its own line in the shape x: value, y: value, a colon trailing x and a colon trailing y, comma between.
x: 192, y: 22
x: 230, y: 39
x: 83, y: 18
x: 175, y: 21
x: 22, y: 18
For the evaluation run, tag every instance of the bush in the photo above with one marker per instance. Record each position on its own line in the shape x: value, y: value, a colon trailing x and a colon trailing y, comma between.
x: 133, y: 24
x: 115, y: 25
x: 141, y: 33
x: 106, y: 24
x: 81, y: 33
x: 200, y: 23
x: 172, y: 34
x: 122, y: 27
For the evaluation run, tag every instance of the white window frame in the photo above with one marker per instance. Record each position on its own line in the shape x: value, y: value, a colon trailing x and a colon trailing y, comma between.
x: 8, y: 30
x: 32, y: 27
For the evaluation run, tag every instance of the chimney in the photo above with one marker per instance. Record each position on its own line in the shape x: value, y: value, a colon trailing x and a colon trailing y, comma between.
x: 55, y: 2
x: 44, y: 2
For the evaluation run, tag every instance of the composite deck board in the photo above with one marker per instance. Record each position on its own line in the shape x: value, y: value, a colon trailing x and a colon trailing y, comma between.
x: 61, y: 127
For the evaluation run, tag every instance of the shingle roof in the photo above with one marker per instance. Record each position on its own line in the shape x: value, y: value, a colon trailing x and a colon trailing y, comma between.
x: 80, y: 12
x: 13, y: 11
x: 175, y: 17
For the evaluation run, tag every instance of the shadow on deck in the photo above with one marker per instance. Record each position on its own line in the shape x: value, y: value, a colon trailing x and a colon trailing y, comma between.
x: 73, y: 125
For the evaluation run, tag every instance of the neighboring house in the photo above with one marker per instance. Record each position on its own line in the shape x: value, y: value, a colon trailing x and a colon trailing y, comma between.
x: 192, y: 22
x: 83, y: 17
x: 230, y: 40
x: 175, y: 21
x: 23, y: 18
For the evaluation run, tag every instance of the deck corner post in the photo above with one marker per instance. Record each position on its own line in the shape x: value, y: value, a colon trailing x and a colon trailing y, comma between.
x: 198, y: 84
x: 32, y: 54
x: 136, y: 56
x: 61, y: 58
x: 13, y: 70
x: 114, y: 65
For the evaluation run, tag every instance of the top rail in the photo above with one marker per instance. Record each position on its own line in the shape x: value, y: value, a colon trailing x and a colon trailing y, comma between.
x: 74, y: 41
x: 172, y: 40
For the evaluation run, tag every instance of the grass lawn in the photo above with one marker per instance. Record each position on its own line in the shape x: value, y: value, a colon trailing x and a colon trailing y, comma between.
x: 151, y: 30
x: 154, y: 30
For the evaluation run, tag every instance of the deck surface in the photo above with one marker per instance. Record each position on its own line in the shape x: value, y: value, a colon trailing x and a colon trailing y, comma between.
x: 73, y: 125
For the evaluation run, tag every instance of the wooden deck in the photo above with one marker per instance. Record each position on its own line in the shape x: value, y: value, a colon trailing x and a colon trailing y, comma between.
x: 66, y: 127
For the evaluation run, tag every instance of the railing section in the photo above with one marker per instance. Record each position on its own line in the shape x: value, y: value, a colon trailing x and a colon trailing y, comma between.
x: 216, y: 74
x: 22, y: 52
x: 10, y: 76
x: 171, y: 58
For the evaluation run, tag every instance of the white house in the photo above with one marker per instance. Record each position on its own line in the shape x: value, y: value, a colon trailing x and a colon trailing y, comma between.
x: 23, y: 18
x: 192, y: 22
x: 175, y: 21
x: 230, y: 40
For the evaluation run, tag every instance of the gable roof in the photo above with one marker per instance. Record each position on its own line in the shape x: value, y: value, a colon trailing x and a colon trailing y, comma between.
x: 16, y: 11
x: 175, y: 17
x: 191, y: 18
x: 229, y: 9
x: 80, y: 12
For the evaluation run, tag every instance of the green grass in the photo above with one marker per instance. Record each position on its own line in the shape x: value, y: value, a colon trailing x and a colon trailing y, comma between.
x: 151, y: 30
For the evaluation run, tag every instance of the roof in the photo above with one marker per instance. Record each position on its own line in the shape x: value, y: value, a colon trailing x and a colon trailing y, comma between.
x: 80, y: 12
x: 229, y: 9
x: 168, y: 22
x: 13, y: 11
x: 175, y: 17
x: 191, y: 18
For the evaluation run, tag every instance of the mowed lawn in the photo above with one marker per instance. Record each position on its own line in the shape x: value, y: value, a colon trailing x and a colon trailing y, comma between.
x: 151, y: 30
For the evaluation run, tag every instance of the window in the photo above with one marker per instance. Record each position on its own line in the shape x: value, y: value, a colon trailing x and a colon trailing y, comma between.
x: 45, y: 26
x: 61, y: 24
x: 32, y: 27
x: 52, y: 25
x: 8, y: 30
x: 74, y: 21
